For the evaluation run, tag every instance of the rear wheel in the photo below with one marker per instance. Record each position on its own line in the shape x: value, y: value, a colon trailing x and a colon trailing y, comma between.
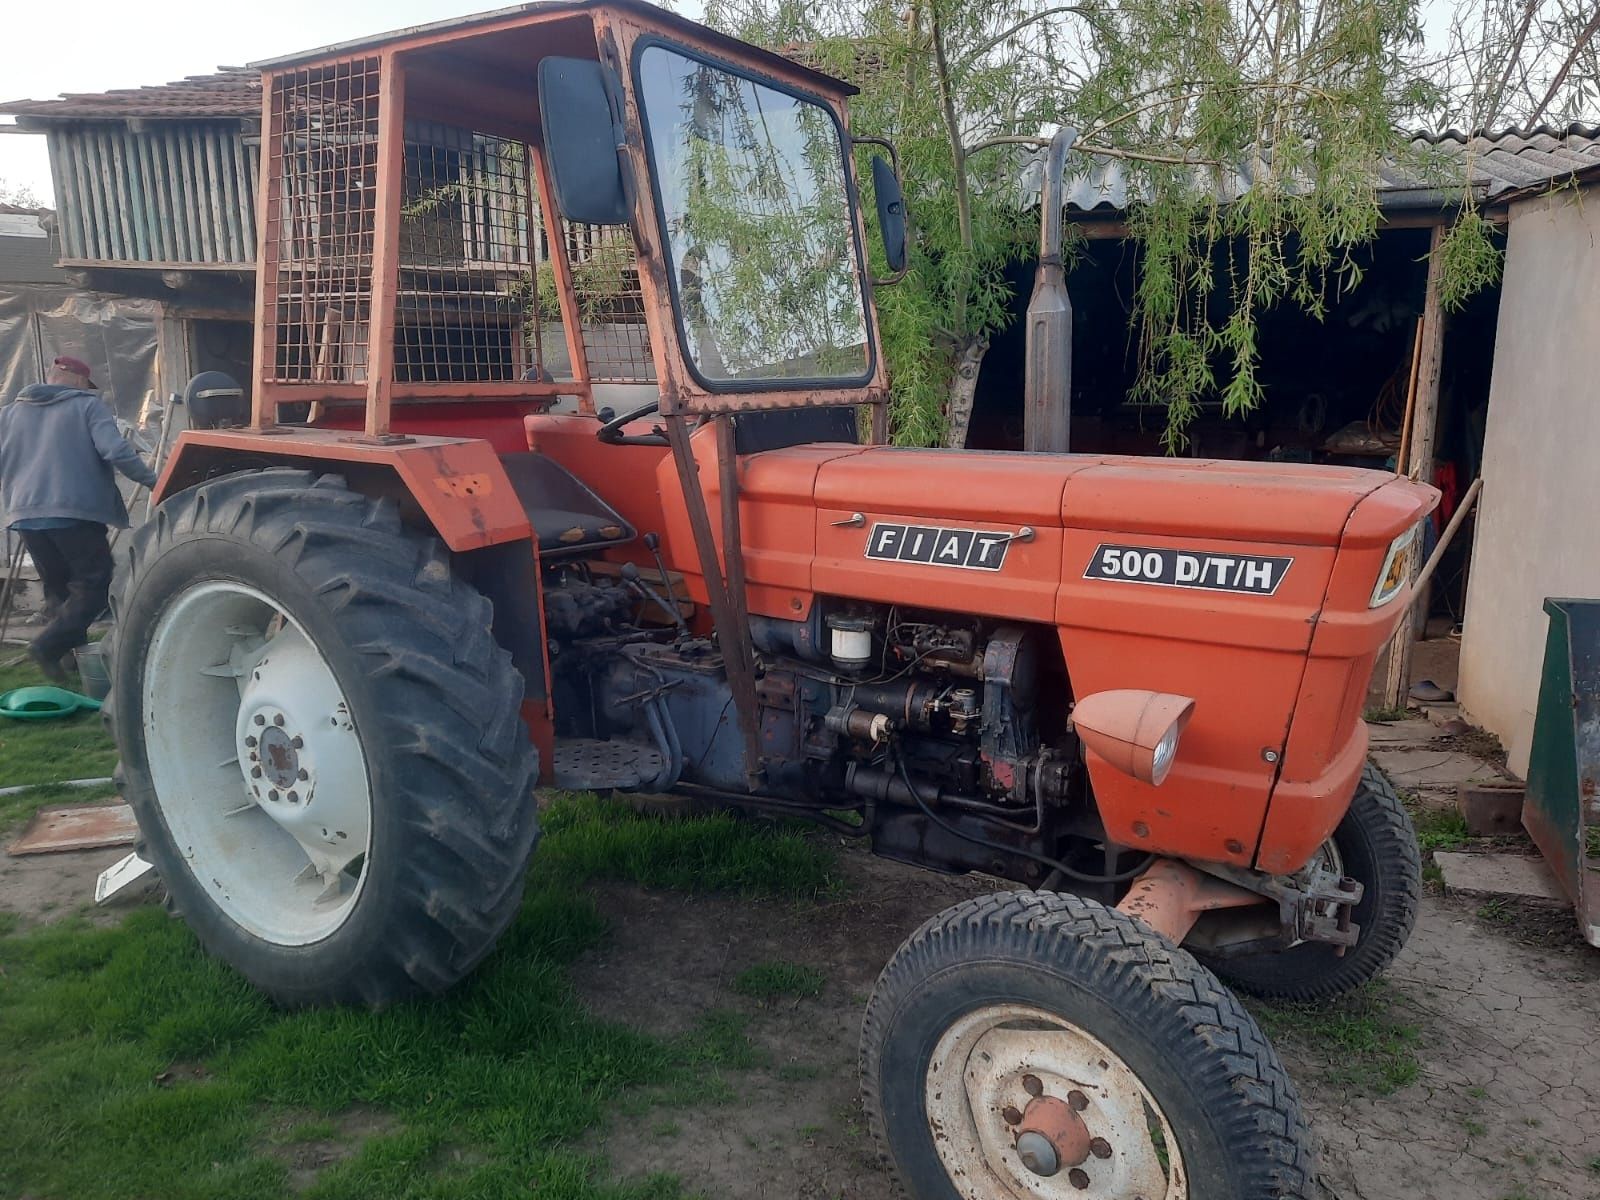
x: 321, y: 739
x: 1028, y: 1045
x: 1375, y: 844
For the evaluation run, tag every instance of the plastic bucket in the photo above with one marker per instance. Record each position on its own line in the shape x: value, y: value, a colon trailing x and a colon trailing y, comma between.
x: 92, y: 670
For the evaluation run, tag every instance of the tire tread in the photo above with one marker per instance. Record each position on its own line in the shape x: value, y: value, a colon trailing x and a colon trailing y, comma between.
x: 1162, y: 989
x: 450, y: 711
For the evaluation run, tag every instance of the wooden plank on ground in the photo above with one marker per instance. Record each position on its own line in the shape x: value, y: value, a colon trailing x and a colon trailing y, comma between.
x: 77, y: 827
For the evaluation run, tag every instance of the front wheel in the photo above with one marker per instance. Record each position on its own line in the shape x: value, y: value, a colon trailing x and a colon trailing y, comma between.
x: 1376, y: 845
x: 320, y: 738
x: 1027, y: 1045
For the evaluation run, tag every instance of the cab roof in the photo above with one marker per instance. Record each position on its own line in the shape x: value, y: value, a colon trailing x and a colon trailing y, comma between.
x: 506, y: 17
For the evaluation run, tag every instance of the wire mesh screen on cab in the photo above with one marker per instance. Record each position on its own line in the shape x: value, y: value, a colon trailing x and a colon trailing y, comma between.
x: 478, y: 297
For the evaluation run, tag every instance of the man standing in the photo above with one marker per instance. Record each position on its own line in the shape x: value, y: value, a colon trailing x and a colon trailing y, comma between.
x: 58, y: 446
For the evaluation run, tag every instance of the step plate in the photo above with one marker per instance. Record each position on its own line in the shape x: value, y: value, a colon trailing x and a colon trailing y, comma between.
x: 590, y: 763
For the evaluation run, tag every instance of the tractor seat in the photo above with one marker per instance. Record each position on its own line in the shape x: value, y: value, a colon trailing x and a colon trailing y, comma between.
x: 566, y: 516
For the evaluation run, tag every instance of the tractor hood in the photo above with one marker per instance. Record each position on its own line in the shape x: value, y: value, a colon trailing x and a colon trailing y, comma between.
x: 1231, y: 501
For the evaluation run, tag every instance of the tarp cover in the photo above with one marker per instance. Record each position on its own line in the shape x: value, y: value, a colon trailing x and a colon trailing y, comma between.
x: 117, y: 336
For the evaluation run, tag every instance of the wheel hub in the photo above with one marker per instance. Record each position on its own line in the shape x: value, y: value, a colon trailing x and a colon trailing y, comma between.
x: 1051, y: 1134
x: 260, y: 771
x: 292, y: 720
x: 1025, y: 1105
x: 277, y: 753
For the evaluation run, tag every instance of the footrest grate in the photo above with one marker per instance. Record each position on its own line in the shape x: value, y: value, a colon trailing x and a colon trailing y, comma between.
x: 590, y: 763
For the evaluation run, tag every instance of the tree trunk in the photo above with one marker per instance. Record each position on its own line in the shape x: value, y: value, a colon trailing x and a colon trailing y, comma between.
x: 958, y: 410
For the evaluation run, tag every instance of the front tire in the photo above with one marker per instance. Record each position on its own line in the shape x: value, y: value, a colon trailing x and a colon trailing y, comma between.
x: 321, y: 739
x: 1026, y: 1044
x: 1375, y: 844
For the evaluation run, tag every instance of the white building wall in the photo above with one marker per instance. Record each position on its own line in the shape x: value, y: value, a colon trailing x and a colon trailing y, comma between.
x: 1538, y: 529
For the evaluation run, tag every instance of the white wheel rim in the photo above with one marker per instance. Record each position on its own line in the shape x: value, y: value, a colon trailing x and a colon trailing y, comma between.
x: 256, y: 763
x: 994, y: 1074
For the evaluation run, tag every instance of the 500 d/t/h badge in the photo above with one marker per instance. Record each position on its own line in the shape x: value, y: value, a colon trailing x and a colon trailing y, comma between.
x: 1255, y: 574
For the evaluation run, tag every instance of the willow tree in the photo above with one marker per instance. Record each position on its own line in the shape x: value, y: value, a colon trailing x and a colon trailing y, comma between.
x: 1242, y: 132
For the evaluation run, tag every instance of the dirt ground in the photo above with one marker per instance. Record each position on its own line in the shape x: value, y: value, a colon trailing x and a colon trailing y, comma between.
x: 1500, y: 1009
x: 1506, y: 1105
x: 43, y: 887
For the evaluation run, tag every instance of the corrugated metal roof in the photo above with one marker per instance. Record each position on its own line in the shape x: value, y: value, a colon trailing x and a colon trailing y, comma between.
x: 1427, y: 175
x: 228, y: 92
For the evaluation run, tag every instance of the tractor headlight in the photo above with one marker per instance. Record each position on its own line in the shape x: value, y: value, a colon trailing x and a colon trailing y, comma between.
x: 1396, y: 568
x: 1166, y: 750
x: 1135, y: 731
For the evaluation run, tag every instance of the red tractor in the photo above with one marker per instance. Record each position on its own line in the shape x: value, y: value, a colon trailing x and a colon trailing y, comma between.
x: 550, y: 472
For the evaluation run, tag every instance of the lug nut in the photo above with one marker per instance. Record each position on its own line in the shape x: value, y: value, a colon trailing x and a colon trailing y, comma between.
x: 250, y: 740
x: 278, y: 720
x: 1031, y: 1085
x: 303, y: 774
x: 1010, y: 1115
x: 297, y: 741
x: 1099, y: 1147
x: 272, y: 794
x: 294, y: 798
x: 1078, y: 1178
x: 260, y: 720
x: 255, y: 772
x: 1078, y: 1100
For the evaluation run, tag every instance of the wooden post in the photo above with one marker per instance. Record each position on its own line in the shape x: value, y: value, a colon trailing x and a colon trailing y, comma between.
x: 386, y: 243
x: 1424, y: 427
x: 269, y: 245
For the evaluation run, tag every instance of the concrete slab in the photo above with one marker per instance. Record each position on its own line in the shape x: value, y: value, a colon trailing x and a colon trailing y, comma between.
x: 1400, y: 733
x: 1417, y: 766
x: 1514, y: 876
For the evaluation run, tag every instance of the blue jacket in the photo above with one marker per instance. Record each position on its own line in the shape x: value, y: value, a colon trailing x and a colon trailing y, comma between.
x: 58, y: 446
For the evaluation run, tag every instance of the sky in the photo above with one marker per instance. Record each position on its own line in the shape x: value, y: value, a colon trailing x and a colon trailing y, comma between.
x: 98, y: 45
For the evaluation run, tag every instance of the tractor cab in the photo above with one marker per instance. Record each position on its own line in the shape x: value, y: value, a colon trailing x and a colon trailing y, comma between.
x: 624, y: 212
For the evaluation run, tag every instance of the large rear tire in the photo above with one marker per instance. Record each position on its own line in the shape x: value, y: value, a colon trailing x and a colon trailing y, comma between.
x: 1027, y: 1044
x: 321, y: 739
x: 1375, y: 844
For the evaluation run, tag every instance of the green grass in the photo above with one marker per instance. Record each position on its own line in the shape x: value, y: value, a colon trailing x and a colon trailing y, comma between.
x: 772, y: 980
x: 1437, y: 828
x: 596, y: 839
x: 1498, y: 912
x: 307, y: 1131
x: 76, y: 747
x: 135, y: 1066
x: 1364, y: 1044
x: 1386, y: 714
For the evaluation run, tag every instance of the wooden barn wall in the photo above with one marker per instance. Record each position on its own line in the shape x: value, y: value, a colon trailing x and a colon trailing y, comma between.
x: 171, y: 193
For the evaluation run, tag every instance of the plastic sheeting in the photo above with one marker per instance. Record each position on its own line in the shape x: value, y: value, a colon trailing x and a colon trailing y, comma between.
x: 116, y: 335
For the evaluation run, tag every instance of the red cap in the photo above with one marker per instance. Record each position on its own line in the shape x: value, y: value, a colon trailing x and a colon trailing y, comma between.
x: 76, y: 365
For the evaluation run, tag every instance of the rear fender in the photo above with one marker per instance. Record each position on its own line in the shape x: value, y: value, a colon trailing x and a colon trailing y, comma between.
x: 454, y: 488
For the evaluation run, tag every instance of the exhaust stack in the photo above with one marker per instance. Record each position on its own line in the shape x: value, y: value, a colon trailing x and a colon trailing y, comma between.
x: 1047, y: 391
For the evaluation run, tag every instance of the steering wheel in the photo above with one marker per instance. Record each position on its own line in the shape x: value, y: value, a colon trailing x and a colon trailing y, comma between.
x: 610, y: 431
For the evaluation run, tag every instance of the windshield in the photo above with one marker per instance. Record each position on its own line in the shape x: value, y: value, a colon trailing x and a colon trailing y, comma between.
x: 758, y: 225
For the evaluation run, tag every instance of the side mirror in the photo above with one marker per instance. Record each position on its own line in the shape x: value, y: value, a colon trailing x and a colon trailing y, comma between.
x: 578, y: 103
x: 891, y: 212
